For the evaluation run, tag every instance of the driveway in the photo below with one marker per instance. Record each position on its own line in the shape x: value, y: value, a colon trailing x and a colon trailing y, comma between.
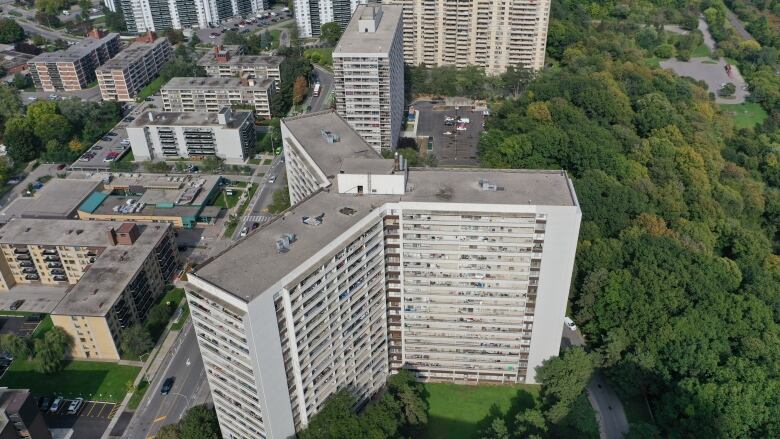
x: 610, y: 414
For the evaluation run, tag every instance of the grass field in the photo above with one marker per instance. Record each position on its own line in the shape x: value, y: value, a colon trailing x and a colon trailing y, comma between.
x: 456, y: 410
x: 325, y: 55
x: 745, y: 115
x: 86, y: 379
x: 219, y: 200
x: 701, y: 51
x: 150, y: 89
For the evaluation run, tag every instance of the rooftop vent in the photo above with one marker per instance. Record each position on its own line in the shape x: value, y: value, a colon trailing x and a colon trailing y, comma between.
x: 488, y: 186
x: 283, y: 243
x: 314, y: 221
x: 330, y: 137
x: 347, y: 211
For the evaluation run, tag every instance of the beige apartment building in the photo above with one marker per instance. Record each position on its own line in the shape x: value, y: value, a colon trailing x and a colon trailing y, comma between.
x: 458, y: 275
x: 113, y: 272
x: 124, y: 76
x: 72, y: 69
x: 486, y: 33
x: 210, y: 95
x: 229, y: 62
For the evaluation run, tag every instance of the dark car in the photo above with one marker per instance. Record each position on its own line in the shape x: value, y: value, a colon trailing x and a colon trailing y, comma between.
x: 106, y: 139
x: 44, y: 402
x: 167, y: 386
x: 61, y: 166
x: 16, y: 304
x: 255, y: 225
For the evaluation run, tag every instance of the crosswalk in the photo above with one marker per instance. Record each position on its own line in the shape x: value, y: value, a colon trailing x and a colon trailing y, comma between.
x: 257, y: 218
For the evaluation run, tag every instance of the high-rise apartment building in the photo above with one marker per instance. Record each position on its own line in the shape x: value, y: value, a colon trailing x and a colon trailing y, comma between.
x: 368, y: 74
x: 168, y: 135
x: 229, y: 62
x: 486, y: 33
x: 310, y: 15
x: 213, y: 94
x: 459, y: 275
x: 126, y: 74
x: 72, y: 69
x: 157, y: 15
x: 113, y: 271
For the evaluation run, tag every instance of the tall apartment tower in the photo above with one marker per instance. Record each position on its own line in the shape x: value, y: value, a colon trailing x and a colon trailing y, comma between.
x: 487, y: 33
x: 310, y: 15
x: 368, y: 74
x: 458, y: 275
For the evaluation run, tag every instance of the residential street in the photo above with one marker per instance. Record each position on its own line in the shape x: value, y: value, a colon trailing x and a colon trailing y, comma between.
x: 256, y: 213
x: 610, y: 414
x: 189, y: 389
x: 326, y: 88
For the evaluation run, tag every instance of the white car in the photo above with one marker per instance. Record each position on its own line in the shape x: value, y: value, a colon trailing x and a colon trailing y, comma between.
x: 447, y: 133
x: 272, y: 179
x: 75, y: 405
x: 57, y: 404
x: 243, y: 233
x: 569, y: 323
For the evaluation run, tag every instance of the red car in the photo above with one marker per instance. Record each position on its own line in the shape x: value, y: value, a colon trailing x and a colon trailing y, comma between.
x: 61, y: 166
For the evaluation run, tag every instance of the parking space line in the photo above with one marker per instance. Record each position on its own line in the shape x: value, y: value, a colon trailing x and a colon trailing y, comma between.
x: 89, y: 413
x: 113, y: 411
x: 100, y: 413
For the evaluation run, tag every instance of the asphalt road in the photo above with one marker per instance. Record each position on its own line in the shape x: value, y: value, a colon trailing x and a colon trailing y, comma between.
x: 737, y: 24
x: 610, y: 414
x: 189, y: 389
x: 263, y: 197
x: 326, y: 88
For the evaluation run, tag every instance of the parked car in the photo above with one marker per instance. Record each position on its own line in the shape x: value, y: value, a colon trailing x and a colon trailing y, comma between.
x: 272, y: 180
x: 57, y: 404
x: 255, y: 225
x: 44, y: 402
x: 16, y: 304
x: 75, y: 405
x: 61, y: 166
x: 167, y: 386
x: 569, y: 323
x: 243, y: 233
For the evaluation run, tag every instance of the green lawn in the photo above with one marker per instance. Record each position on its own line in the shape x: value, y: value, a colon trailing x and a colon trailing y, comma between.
x: 87, y: 379
x: 219, y: 200
x: 745, y: 115
x: 701, y: 51
x: 456, y: 410
x: 275, y: 38
x: 174, y: 296
x: 325, y: 54
x: 267, y: 161
x: 138, y: 395
x: 43, y: 327
x: 653, y: 61
x: 150, y: 89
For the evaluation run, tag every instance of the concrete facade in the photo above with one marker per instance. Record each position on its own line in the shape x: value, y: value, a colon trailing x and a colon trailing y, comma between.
x: 72, y: 69
x: 124, y: 76
x: 213, y: 94
x: 493, y: 35
x: 368, y: 74
x: 462, y: 277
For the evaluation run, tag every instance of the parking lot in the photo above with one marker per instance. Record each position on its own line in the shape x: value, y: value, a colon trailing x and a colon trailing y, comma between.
x: 89, y: 422
x: 451, y: 146
x: 21, y: 326
x: 250, y: 24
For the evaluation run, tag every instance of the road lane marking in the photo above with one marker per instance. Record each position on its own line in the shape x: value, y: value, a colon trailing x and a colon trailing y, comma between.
x: 159, y: 419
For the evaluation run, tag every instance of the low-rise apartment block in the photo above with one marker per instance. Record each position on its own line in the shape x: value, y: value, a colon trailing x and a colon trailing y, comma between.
x: 229, y: 62
x: 368, y: 74
x: 458, y: 275
x: 493, y: 35
x: 72, y: 69
x: 228, y: 135
x: 115, y: 272
x: 20, y: 417
x: 124, y: 76
x: 213, y: 94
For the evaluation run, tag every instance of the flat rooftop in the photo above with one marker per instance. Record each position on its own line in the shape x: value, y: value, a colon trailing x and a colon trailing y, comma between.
x: 308, y: 130
x: 208, y: 59
x: 62, y: 232
x: 231, y: 272
x: 58, y: 199
x: 100, y: 286
x: 194, y: 119
x: 356, y: 40
x: 209, y: 83
x: 131, y: 54
x: 76, y: 51
x: 106, y: 207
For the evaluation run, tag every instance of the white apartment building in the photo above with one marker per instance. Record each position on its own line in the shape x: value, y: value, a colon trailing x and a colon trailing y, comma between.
x: 213, y: 94
x: 121, y: 78
x: 368, y: 74
x: 168, y: 135
x: 158, y: 15
x: 310, y: 15
x: 459, y: 275
x: 486, y: 33
x: 229, y: 62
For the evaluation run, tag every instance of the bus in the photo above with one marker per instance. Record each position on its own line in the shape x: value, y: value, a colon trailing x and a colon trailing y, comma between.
x: 316, y: 90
